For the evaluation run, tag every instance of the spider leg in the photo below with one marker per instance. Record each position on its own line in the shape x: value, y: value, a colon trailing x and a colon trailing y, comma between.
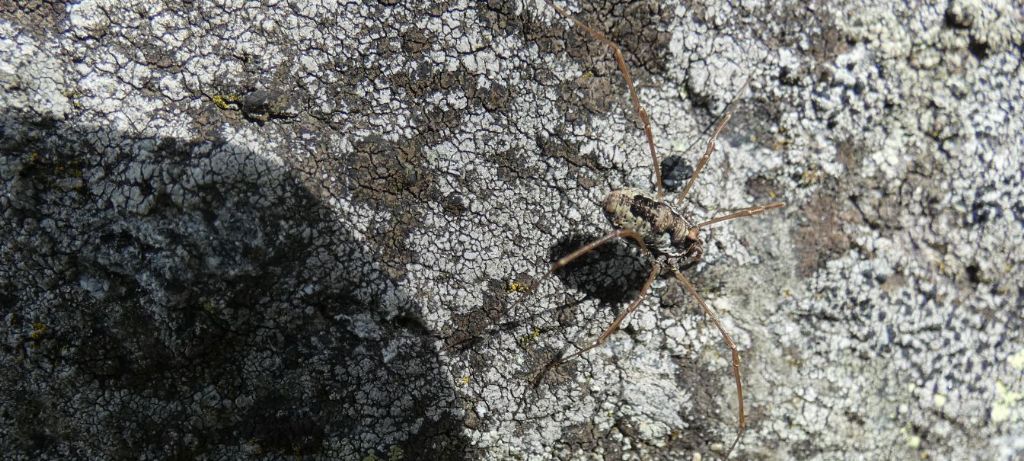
x: 704, y: 159
x: 692, y: 259
x: 718, y: 124
x: 618, y: 233
x: 655, y: 270
x: 732, y: 347
x: 624, y: 69
x: 751, y: 211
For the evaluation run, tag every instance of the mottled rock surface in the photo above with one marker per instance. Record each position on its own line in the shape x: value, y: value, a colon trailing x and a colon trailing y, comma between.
x: 320, y: 229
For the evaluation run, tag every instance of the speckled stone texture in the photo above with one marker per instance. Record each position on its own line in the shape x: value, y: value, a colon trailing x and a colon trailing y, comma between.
x: 320, y: 230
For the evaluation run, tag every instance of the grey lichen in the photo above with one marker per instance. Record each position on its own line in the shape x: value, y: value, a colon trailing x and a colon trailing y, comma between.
x: 321, y: 229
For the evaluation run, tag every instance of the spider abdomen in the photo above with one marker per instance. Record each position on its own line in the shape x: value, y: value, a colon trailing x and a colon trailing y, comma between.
x: 656, y: 221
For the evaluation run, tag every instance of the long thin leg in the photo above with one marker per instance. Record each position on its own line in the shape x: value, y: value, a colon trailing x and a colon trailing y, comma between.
x: 618, y: 233
x: 740, y: 214
x: 640, y: 112
x: 704, y: 160
x: 729, y: 109
x: 728, y: 342
x: 655, y: 270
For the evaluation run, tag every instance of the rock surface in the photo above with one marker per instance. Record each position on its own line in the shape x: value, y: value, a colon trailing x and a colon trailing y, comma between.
x: 321, y: 230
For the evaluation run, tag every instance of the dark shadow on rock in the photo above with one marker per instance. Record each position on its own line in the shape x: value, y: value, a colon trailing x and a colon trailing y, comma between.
x: 611, y: 272
x: 188, y: 300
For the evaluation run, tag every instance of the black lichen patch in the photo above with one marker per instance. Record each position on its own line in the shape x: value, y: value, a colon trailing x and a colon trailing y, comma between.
x: 675, y: 171
x: 388, y: 174
x: 393, y: 176
x: 762, y: 188
x: 640, y: 29
x: 816, y: 26
x: 436, y: 122
x: 820, y: 236
x: 699, y: 433
x: 39, y: 17
x: 468, y: 329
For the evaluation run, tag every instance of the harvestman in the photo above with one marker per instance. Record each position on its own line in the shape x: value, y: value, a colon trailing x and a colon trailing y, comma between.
x: 664, y: 235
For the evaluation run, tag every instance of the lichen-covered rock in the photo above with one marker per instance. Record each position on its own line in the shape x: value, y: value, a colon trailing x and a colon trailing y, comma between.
x: 322, y: 230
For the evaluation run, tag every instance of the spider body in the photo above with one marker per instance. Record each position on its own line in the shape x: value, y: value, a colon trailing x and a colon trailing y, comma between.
x: 666, y: 237
x: 673, y: 240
